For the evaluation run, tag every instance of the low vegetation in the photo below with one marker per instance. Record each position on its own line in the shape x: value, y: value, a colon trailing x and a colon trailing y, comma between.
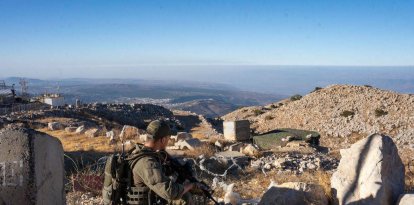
x: 380, y: 112
x: 347, y: 113
x: 258, y: 112
x: 316, y: 89
x: 296, y: 97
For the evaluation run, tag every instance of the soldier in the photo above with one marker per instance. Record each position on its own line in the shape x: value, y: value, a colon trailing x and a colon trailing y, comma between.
x: 150, y: 182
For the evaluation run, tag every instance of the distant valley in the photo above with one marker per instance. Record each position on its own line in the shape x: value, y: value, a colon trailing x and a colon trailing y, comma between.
x: 208, y: 99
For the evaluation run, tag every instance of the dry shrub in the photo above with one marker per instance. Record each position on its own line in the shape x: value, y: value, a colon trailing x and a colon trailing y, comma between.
x: 206, y: 149
x: 324, y: 180
x: 253, y: 183
x: 80, y: 142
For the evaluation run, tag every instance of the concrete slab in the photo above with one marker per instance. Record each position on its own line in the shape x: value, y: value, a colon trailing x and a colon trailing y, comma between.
x: 31, y: 168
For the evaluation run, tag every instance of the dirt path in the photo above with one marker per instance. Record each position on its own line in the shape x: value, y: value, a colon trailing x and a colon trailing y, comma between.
x: 194, y: 124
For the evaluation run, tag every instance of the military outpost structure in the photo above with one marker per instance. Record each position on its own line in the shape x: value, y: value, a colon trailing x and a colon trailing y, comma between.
x: 7, y: 94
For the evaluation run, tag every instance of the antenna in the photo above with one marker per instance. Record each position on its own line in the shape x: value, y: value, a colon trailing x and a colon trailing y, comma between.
x: 24, y: 87
x: 2, y: 84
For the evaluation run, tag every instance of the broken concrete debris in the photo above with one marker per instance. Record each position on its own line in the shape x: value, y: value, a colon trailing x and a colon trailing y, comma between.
x: 297, y: 163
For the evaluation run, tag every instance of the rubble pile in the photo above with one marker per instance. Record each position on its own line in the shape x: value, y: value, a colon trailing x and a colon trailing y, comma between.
x: 297, y: 163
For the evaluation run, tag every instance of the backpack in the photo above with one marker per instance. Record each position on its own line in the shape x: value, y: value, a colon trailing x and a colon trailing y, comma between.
x: 118, y: 176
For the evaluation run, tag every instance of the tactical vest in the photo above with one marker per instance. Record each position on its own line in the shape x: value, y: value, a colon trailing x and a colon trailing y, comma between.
x: 141, y: 195
x: 118, y: 185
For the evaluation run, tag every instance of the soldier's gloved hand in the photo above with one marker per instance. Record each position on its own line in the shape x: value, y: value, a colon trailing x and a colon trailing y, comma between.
x: 203, y: 186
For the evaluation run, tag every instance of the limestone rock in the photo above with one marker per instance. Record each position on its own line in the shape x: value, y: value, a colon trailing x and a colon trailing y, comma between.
x: 231, y: 197
x: 110, y: 134
x: 370, y: 172
x: 190, y: 144
x: 129, y: 132
x: 294, y: 193
x: 95, y: 132
x: 71, y: 129
x: 250, y: 150
x: 182, y: 136
x: 406, y: 199
x: 218, y: 144
x: 32, y: 164
x: 80, y: 130
x: 54, y: 126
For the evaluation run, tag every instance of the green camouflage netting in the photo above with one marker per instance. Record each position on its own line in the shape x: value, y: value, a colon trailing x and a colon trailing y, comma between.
x: 274, y: 139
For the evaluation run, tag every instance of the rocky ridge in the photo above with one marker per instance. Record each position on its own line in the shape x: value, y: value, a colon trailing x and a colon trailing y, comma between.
x: 338, y: 111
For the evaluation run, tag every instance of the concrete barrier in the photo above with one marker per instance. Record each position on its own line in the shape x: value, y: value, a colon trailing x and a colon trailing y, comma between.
x: 31, y: 168
x: 236, y: 130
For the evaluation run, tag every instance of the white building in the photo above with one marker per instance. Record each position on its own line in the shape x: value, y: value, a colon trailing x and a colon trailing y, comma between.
x: 54, y: 100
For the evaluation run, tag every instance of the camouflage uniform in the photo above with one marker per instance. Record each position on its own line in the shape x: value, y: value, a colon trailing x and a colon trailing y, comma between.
x: 149, y: 172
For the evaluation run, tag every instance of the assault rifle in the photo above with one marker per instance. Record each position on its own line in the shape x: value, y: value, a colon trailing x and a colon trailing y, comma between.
x: 185, y: 173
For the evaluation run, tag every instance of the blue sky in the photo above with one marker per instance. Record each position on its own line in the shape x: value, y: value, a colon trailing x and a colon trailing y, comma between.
x: 39, y: 37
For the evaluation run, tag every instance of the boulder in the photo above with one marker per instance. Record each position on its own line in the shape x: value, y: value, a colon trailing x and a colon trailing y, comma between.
x: 370, y: 172
x: 71, y: 129
x: 190, y: 144
x: 130, y: 132
x: 31, y: 167
x: 80, y: 130
x: 181, y: 136
x: 237, y: 147
x: 406, y: 199
x: 250, y: 150
x: 54, y: 126
x: 94, y: 132
x: 230, y: 157
x: 294, y: 193
x: 110, y: 134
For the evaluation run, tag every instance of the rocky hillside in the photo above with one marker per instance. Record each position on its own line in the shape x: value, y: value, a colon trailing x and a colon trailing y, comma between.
x: 209, y: 107
x: 338, y: 111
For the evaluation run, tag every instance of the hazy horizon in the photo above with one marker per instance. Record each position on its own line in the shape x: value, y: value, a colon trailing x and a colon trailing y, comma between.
x: 286, y: 80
